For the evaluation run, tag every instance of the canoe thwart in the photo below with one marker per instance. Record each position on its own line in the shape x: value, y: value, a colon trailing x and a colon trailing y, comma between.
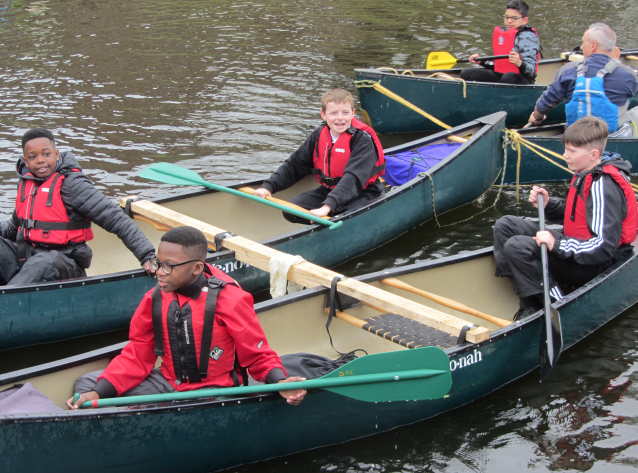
x: 311, y: 275
x: 401, y: 330
x: 157, y: 225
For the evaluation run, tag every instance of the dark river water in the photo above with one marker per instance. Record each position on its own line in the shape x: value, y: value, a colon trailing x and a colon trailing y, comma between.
x: 232, y: 88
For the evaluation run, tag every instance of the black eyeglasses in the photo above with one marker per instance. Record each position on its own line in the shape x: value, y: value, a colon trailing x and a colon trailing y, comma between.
x: 506, y: 17
x: 166, y: 266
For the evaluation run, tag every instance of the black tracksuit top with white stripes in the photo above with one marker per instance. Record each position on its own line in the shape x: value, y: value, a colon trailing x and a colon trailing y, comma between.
x: 606, y: 208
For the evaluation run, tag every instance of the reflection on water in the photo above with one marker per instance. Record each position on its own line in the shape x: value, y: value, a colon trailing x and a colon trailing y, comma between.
x: 230, y: 89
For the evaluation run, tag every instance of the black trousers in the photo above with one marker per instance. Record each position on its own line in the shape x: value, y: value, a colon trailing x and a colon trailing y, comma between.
x: 479, y: 74
x: 314, y: 199
x: 44, y: 266
x: 518, y: 257
x: 155, y: 383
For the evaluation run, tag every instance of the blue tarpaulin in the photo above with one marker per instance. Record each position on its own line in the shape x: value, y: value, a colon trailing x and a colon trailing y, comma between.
x: 404, y: 166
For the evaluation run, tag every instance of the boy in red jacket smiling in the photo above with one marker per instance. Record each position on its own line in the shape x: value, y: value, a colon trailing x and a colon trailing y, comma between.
x: 199, y: 321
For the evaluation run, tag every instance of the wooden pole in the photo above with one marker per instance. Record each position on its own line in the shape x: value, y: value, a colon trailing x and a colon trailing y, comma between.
x: 251, y: 191
x: 446, y: 302
x: 311, y: 275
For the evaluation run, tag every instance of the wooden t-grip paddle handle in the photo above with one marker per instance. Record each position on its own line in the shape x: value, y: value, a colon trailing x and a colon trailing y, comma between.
x: 446, y: 302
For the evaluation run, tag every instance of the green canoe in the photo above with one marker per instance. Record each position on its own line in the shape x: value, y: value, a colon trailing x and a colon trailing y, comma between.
x: 212, y: 434
x: 443, y: 98
x: 535, y: 168
x: 106, y: 300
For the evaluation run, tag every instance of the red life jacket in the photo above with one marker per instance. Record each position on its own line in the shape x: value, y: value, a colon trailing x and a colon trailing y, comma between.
x: 575, y: 224
x: 42, y: 216
x: 503, y: 41
x: 180, y: 328
x: 330, y: 160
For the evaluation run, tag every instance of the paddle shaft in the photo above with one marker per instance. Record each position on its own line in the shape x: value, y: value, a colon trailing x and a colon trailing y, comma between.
x: 446, y: 302
x: 411, y: 106
x: 486, y: 58
x: 228, y: 190
x: 268, y: 388
x: 251, y: 191
x: 547, y: 301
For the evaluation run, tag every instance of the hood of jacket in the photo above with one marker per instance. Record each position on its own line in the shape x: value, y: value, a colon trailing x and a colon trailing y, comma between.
x: 616, y: 160
x: 66, y: 163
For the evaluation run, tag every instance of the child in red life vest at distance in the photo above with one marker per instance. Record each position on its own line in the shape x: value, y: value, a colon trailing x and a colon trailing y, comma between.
x: 45, y: 238
x: 516, y: 39
x: 344, y: 155
x: 599, y: 215
x: 199, y: 321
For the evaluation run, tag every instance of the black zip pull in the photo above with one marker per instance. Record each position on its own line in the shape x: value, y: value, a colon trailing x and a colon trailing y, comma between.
x: 178, y: 314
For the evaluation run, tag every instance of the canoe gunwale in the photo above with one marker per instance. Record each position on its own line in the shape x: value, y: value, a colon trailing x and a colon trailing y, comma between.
x: 560, y: 127
x: 376, y: 73
x: 455, y: 69
x: 135, y: 273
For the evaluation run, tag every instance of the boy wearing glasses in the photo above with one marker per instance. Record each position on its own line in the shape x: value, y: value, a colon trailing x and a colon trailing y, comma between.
x: 199, y: 321
x: 45, y: 238
x: 516, y: 39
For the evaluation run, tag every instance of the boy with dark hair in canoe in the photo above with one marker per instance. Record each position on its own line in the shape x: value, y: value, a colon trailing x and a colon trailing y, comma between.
x: 599, y: 215
x: 600, y: 85
x: 516, y: 39
x: 345, y: 156
x: 45, y: 238
x: 199, y: 321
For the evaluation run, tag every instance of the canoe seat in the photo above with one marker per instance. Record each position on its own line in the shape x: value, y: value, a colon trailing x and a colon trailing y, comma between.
x: 407, y: 332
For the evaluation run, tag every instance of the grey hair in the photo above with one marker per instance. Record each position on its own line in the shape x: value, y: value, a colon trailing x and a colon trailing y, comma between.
x: 603, y: 35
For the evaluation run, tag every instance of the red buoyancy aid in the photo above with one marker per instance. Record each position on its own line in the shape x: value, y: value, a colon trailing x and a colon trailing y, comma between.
x: 503, y: 41
x: 196, y: 349
x: 575, y: 224
x: 330, y: 160
x: 42, y: 216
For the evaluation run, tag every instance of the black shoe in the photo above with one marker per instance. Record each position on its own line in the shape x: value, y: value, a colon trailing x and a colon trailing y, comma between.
x: 527, y: 306
x: 524, y: 312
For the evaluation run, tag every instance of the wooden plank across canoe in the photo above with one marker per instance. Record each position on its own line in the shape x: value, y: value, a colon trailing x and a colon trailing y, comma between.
x: 311, y: 275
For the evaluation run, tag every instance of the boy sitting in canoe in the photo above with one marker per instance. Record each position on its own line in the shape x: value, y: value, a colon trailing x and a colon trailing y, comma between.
x: 199, y: 321
x: 519, y: 41
x: 45, y: 238
x: 345, y: 156
x: 599, y: 217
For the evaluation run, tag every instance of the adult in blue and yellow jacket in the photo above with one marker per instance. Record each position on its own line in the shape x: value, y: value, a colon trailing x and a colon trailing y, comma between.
x: 618, y: 86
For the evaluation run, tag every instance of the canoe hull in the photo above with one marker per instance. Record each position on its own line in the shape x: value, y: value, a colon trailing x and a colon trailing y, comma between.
x: 444, y: 99
x: 536, y: 169
x: 104, y: 303
x: 190, y: 436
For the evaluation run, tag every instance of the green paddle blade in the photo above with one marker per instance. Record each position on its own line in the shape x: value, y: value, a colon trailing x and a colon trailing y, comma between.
x: 440, y: 60
x: 431, y: 363
x: 172, y: 174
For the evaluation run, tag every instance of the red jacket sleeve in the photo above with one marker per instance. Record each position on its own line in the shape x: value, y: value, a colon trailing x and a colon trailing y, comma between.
x: 138, y: 358
x: 235, y: 311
